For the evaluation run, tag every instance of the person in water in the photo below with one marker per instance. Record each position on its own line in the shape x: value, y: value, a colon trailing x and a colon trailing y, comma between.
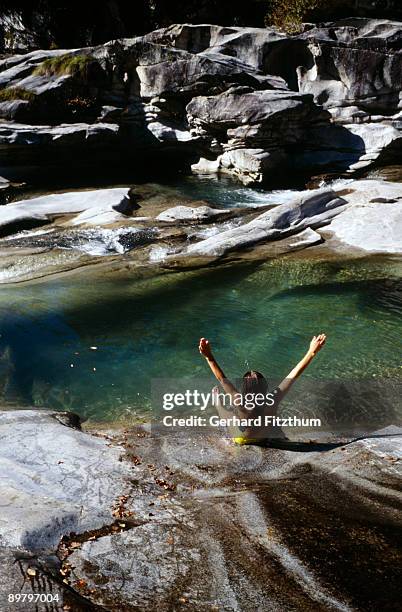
x: 254, y: 385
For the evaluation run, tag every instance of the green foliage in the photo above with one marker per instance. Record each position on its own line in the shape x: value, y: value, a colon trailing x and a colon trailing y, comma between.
x: 74, y: 65
x: 288, y: 15
x: 16, y: 93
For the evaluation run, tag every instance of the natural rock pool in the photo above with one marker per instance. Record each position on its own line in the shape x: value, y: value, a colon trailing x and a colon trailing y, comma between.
x: 94, y: 344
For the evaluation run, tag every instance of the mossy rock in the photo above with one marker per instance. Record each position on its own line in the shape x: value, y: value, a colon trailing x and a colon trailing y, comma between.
x: 16, y: 93
x: 67, y: 64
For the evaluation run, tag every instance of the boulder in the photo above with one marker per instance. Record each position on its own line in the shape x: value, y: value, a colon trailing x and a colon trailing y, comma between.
x: 349, y: 148
x: 201, y: 214
x: 256, y: 129
x: 13, y: 109
x: 249, y: 45
x: 354, y: 62
x: 343, y: 63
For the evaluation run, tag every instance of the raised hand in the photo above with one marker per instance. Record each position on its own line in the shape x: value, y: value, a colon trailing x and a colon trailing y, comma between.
x: 205, y: 347
x: 317, y: 343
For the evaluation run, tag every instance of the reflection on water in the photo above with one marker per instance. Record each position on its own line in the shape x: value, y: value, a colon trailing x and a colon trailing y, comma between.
x: 95, y: 347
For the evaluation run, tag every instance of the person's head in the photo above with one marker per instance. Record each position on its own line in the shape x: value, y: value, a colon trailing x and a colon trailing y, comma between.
x: 253, y: 383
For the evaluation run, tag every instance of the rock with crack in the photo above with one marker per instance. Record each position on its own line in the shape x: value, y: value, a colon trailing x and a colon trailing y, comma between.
x: 310, y: 209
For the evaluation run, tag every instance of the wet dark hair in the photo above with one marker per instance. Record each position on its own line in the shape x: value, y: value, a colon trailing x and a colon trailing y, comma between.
x: 254, y: 382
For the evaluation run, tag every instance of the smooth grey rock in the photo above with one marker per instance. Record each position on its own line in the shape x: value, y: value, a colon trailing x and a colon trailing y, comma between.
x: 168, y: 133
x: 236, y: 107
x: 13, y: 109
x: 69, y: 134
x: 44, y: 84
x: 249, y: 45
x: 310, y: 209
x: 54, y: 480
x: 195, y: 73
x: 4, y: 183
x: 46, y: 208
x: 191, y: 494
x: 256, y: 103
x: 189, y: 551
x: 354, y: 62
x: 17, y: 67
x: 187, y: 213
x: 374, y: 221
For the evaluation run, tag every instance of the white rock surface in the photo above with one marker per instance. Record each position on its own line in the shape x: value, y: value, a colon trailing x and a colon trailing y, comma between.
x: 53, y: 480
x: 187, y: 213
x: 373, y: 220
x: 98, y: 201
x: 372, y: 227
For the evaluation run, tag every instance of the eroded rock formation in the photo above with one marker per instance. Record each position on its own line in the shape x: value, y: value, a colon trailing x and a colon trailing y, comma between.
x: 250, y: 102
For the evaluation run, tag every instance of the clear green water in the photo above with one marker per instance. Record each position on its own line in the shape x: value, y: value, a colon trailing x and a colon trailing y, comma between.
x: 260, y: 317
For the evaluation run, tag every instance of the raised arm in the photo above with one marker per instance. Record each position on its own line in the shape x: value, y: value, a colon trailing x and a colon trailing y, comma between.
x: 206, y: 351
x: 316, y: 344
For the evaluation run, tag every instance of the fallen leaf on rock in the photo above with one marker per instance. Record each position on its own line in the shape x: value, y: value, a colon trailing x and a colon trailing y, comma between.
x: 80, y: 584
x: 166, y: 485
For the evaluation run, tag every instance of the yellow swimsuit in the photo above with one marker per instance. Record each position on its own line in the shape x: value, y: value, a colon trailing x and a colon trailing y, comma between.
x: 242, y: 440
